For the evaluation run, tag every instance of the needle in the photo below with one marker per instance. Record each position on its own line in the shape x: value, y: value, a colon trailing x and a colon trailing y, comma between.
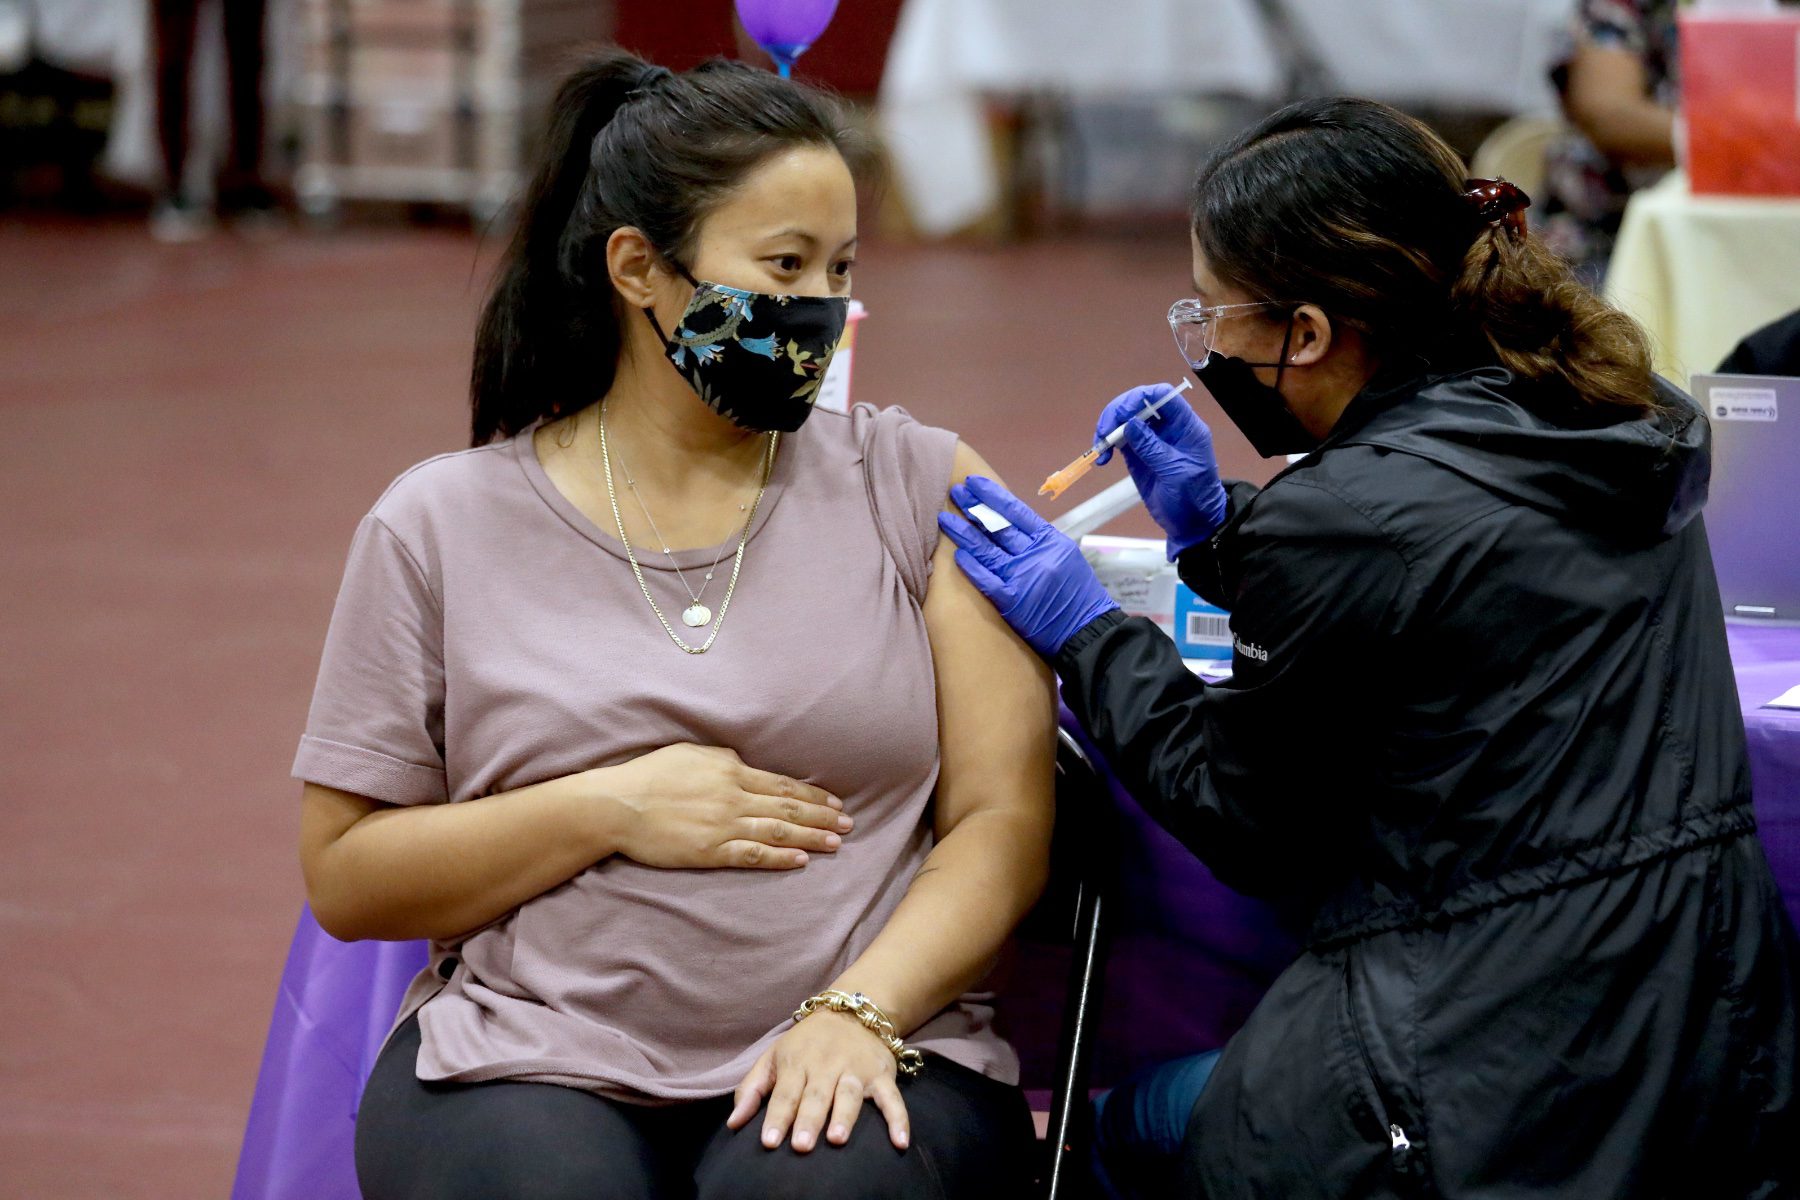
x: 1062, y: 480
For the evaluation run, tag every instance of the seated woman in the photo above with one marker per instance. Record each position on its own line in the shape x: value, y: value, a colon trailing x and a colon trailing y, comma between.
x: 662, y: 714
x: 1618, y: 82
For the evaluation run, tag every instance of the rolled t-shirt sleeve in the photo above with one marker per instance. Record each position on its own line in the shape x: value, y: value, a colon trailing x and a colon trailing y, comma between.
x: 906, y: 467
x: 376, y: 726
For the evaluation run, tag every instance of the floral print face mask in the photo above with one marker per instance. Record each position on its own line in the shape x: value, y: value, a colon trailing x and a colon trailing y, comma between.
x: 756, y: 359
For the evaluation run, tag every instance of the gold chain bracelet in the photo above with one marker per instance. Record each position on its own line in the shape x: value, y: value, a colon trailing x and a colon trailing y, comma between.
x: 872, y: 1018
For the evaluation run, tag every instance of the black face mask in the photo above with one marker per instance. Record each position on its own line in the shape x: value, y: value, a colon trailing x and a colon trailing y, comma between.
x: 1257, y: 409
x: 753, y: 358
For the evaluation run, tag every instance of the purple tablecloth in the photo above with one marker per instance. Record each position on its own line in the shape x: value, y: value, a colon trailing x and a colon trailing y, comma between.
x: 1189, y: 960
x: 1767, y: 661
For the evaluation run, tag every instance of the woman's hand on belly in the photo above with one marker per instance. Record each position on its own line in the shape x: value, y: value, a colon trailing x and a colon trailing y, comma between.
x: 821, y: 1069
x: 703, y: 806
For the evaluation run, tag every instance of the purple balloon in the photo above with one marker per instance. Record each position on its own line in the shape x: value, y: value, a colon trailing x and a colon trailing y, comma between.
x: 785, y: 28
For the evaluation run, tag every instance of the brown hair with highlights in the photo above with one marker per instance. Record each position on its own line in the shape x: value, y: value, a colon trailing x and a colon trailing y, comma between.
x: 1363, y: 211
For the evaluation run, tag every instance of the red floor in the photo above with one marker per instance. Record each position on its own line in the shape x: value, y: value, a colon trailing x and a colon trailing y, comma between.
x: 190, y: 436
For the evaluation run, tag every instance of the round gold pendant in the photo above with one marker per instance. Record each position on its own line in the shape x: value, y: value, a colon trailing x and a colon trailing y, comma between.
x: 695, y: 615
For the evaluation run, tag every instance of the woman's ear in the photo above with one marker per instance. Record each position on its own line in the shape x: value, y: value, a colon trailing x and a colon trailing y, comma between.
x: 634, y: 266
x: 1311, y: 337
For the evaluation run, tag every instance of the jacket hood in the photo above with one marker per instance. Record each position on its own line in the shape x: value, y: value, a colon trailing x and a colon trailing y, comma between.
x: 1639, y: 477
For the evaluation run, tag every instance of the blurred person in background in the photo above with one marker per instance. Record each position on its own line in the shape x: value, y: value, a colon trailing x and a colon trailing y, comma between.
x: 240, y: 190
x: 1619, y: 85
x: 1481, y: 724
x: 664, y: 714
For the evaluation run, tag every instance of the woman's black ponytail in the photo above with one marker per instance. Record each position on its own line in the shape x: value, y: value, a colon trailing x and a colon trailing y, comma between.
x: 628, y: 144
x: 525, y: 343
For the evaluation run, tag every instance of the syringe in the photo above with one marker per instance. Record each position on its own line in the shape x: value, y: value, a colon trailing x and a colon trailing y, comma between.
x: 1064, y: 479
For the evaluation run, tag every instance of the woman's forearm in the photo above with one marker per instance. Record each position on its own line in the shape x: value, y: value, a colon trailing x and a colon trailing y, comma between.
x: 442, y: 870
x: 974, y: 888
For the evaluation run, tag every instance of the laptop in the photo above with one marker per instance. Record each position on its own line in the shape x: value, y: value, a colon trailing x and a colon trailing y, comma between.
x: 1753, y: 515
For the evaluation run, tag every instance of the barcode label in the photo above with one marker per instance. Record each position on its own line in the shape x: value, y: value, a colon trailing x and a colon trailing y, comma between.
x: 1208, y: 627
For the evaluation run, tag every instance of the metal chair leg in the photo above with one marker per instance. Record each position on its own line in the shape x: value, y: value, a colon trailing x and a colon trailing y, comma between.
x: 1069, y: 1133
x: 1084, y: 813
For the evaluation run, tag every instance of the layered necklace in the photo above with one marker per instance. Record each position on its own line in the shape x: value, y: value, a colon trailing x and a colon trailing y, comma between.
x: 696, y: 615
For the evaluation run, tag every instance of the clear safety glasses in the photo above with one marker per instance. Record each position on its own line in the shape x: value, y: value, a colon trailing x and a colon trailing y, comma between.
x: 1196, y: 325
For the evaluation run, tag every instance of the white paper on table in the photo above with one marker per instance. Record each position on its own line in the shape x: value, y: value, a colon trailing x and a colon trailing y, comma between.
x: 1787, y: 699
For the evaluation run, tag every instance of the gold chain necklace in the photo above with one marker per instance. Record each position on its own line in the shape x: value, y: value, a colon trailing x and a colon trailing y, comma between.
x: 737, y: 561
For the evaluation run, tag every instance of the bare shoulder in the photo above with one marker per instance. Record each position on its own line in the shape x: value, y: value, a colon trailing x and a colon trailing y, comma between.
x: 968, y: 461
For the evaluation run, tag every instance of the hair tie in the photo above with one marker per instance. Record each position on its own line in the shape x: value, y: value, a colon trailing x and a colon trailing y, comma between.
x: 652, y: 75
x: 1497, y: 200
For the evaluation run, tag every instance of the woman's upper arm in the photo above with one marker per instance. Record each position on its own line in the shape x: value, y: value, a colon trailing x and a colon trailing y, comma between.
x: 1604, y: 76
x: 996, y: 698
x: 1609, y: 100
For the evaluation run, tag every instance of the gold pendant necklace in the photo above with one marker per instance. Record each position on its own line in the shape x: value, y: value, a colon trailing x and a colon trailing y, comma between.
x: 696, y: 613
x: 690, y: 617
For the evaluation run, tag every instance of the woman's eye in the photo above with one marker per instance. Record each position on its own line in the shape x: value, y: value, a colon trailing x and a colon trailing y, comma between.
x: 842, y: 269
x: 789, y: 263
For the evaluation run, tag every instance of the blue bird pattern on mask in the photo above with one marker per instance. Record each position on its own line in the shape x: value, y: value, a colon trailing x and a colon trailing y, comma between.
x: 720, y: 317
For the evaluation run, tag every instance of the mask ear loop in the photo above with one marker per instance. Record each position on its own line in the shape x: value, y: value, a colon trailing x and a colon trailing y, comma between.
x: 650, y: 311
x: 1280, y: 363
x: 1282, y: 359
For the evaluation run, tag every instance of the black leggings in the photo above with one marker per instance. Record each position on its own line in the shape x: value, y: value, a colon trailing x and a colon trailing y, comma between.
x: 971, y: 1136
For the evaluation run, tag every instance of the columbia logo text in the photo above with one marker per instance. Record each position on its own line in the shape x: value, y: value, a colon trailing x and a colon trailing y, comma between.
x: 1250, y: 649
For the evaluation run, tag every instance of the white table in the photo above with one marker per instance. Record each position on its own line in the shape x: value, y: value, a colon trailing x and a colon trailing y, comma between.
x: 1700, y: 272
x: 1488, y: 55
x: 947, y: 55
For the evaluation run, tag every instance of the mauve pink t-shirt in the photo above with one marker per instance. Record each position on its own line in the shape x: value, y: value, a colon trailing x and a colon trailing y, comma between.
x: 488, y: 636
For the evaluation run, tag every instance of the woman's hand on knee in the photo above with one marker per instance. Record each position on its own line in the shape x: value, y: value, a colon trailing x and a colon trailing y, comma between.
x: 816, y: 1077
x: 703, y: 806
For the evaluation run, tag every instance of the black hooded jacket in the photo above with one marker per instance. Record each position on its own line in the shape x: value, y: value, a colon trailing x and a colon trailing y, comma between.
x: 1482, y: 721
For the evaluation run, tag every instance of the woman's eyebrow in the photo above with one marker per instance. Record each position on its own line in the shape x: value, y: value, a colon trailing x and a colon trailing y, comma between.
x: 802, y: 235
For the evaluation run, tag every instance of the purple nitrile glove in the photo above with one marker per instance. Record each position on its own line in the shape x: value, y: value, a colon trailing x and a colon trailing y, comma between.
x: 1032, y: 572
x: 1170, y: 457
